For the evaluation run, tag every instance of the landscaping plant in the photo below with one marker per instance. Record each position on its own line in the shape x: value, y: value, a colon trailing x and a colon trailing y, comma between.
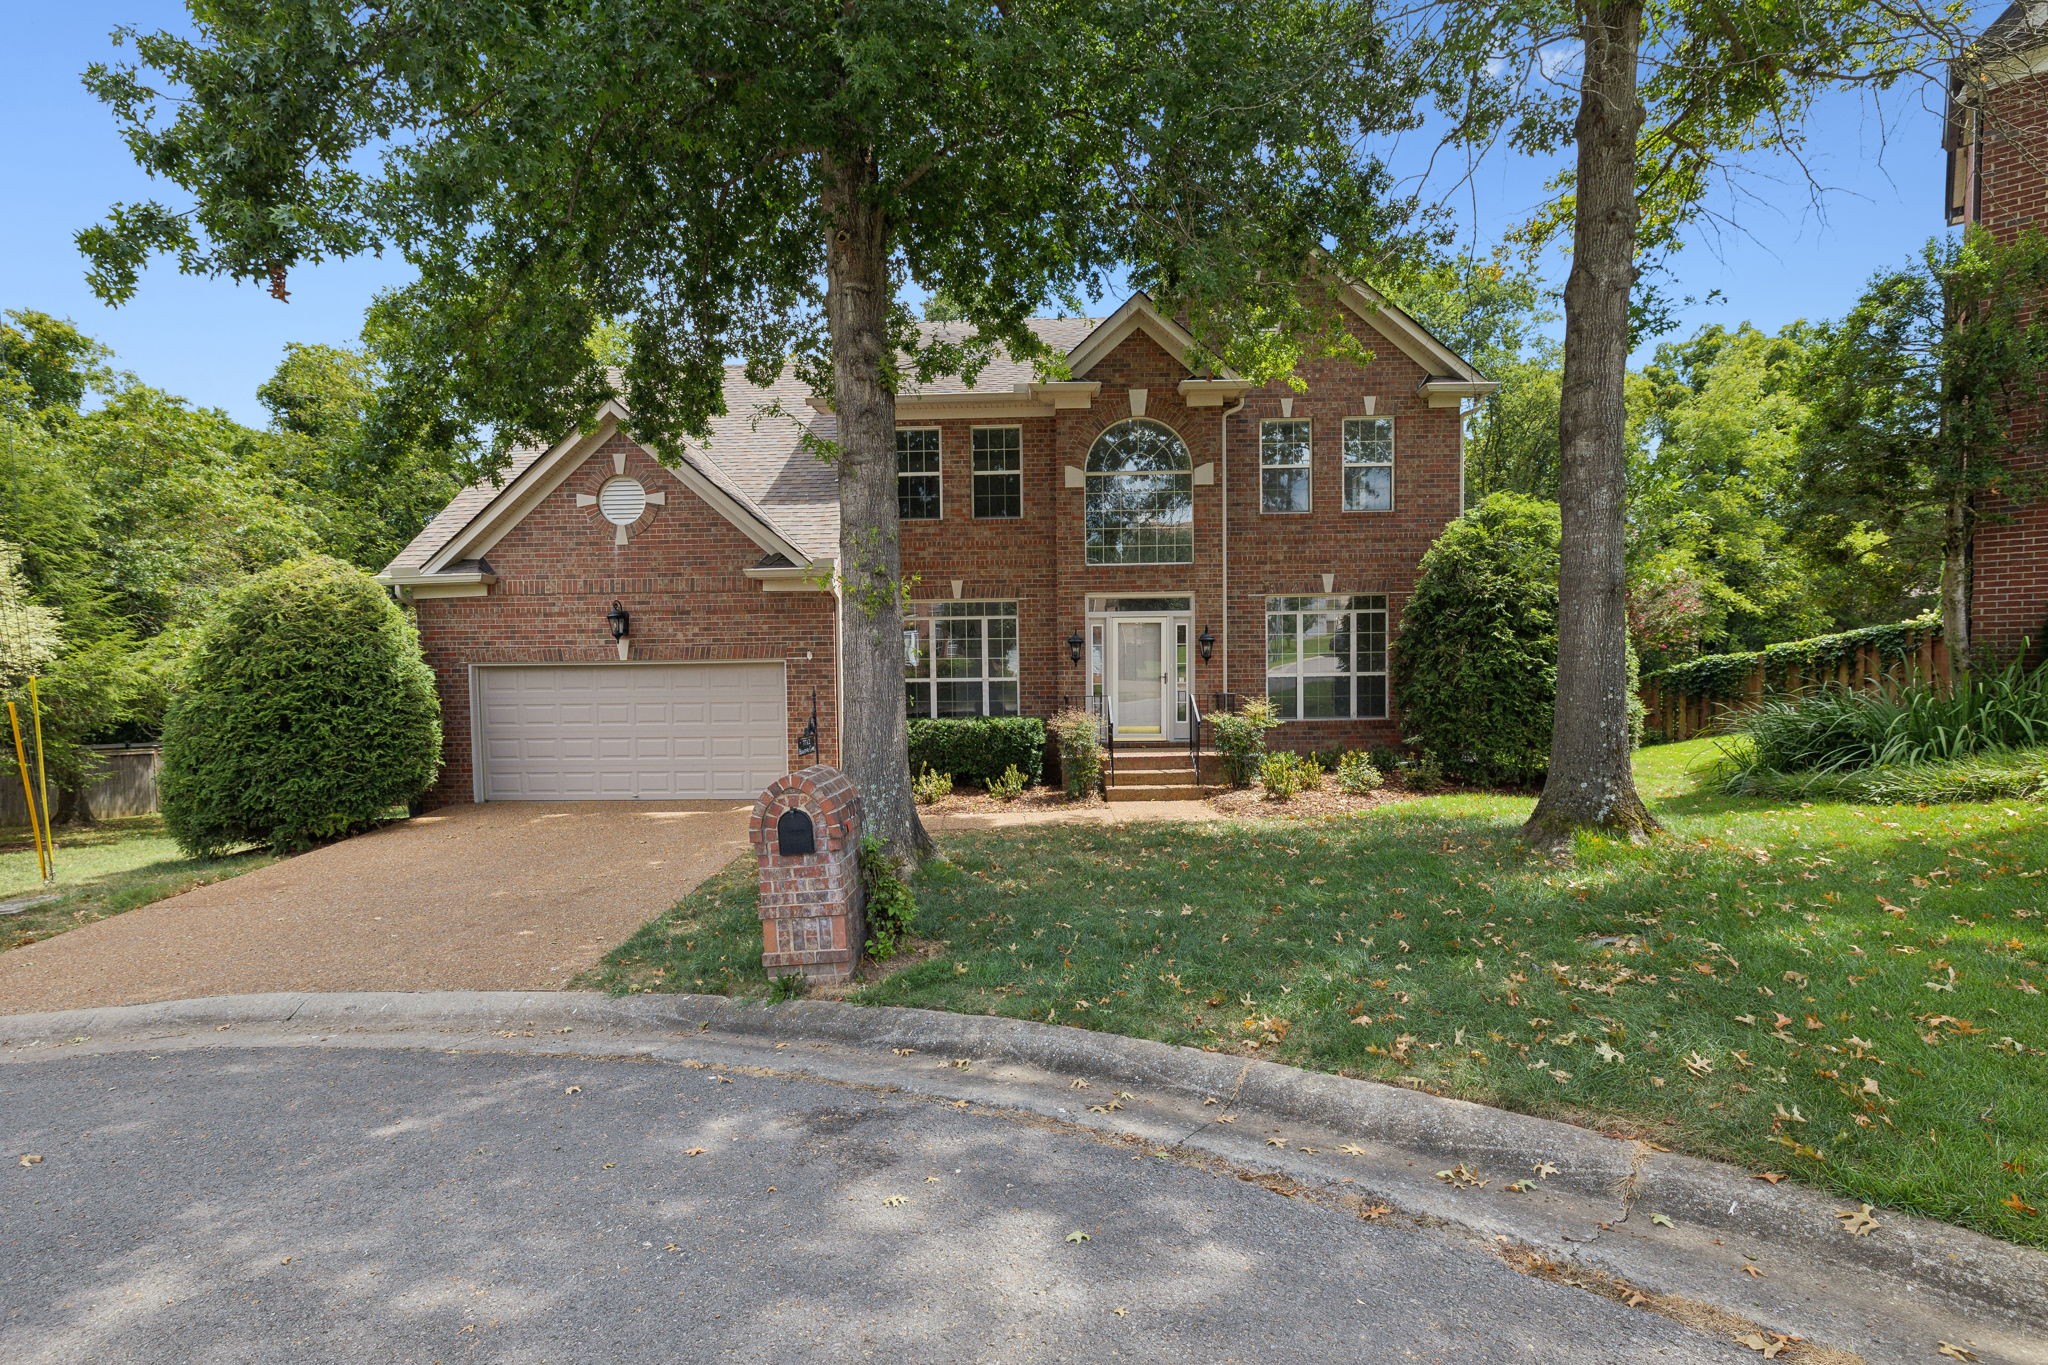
x: 1241, y: 739
x: 931, y: 787
x: 305, y: 713
x: 1080, y: 745
x: 1356, y: 774
x: 1010, y: 785
x: 890, y: 905
x: 1475, y: 663
x: 979, y: 748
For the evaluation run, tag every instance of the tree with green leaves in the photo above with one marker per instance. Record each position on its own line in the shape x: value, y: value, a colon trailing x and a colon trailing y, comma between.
x: 1654, y: 99
x: 1913, y: 397
x: 753, y: 181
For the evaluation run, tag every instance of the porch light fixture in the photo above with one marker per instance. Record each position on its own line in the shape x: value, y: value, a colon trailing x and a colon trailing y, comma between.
x: 620, y: 620
x: 1207, y: 642
x: 1074, y: 645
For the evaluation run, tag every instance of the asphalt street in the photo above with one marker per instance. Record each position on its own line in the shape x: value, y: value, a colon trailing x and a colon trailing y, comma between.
x: 296, y: 1204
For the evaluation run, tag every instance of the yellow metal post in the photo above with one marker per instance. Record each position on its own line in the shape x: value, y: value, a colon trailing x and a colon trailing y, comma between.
x: 35, y: 714
x: 28, y: 791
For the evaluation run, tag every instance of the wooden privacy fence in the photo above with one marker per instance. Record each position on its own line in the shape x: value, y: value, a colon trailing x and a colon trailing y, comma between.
x: 1694, y: 698
x: 126, y: 785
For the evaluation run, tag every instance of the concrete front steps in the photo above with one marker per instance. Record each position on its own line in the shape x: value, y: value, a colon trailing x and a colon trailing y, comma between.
x: 1155, y: 772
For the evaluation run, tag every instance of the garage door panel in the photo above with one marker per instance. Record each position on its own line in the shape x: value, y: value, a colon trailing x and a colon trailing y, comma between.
x: 566, y: 732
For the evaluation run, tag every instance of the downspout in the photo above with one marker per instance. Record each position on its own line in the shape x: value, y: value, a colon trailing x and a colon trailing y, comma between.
x: 1228, y: 413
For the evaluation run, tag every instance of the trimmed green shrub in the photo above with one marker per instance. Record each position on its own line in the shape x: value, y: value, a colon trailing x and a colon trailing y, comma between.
x: 930, y: 787
x: 1079, y: 740
x: 890, y: 906
x: 1357, y: 775
x: 1284, y: 775
x: 978, y: 748
x: 1241, y: 739
x: 305, y: 713
x: 1475, y: 662
x: 1010, y: 785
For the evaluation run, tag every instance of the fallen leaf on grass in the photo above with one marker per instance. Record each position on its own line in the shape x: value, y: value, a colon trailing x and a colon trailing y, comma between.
x: 1077, y: 1237
x: 2019, y: 1205
x: 1858, y: 1221
x: 1769, y: 1349
x: 1769, y: 1177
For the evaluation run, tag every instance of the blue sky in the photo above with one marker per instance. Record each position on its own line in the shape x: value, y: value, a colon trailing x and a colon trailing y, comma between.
x: 1777, y: 258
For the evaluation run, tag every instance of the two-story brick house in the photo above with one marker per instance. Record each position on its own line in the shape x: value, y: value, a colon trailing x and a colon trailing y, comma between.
x: 1138, y: 537
x: 1996, y: 137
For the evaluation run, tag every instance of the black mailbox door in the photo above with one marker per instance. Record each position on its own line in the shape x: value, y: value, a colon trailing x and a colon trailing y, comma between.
x: 794, y: 835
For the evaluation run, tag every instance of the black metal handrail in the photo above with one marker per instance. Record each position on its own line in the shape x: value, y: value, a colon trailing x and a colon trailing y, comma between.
x: 1194, y: 734
x: 1107, y: 729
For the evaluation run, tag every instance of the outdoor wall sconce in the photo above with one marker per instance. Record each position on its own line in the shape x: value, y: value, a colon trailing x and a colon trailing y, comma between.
x: 1207, y: 642
x: 1074, y: 644
x: 622, y: 626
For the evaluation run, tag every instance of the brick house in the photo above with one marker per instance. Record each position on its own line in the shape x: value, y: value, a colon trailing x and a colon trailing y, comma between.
x: 1139, y: 537
x: 1996, y: 136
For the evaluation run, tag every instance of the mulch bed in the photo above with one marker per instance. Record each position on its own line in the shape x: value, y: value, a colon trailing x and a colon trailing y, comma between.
x: 975, y: 801
x: 1326, y: 800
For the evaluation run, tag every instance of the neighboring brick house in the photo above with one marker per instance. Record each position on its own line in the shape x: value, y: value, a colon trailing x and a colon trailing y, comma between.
x: 1997, y: 142
x: 1139, y: 538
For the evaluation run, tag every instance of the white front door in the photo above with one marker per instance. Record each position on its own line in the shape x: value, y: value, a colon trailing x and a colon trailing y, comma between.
x: 1142, y: 677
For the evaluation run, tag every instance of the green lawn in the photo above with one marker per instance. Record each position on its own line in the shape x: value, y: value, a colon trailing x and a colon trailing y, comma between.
x: 1849, y: 994
x: 114, y: 866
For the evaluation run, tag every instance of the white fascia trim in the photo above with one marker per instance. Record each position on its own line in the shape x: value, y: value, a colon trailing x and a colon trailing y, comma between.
x: 1410, y: 336
x: 1137, y: 314
x: 1213, y: 393
x: 794, y: 578
x: 415, y: 586
x: 1066, y: 395
x: 519, y: 497
x: 1451, y: 393
x: 933, y: 406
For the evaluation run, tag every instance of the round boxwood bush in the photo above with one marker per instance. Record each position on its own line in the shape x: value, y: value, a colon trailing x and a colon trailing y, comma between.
x: 305, y: 713
x: 1475, y: 664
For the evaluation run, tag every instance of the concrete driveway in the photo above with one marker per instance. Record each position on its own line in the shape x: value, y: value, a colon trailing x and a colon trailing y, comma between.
x: 510, y: 895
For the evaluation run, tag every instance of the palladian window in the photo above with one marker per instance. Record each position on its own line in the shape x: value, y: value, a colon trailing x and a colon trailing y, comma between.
x: 1141, y: 503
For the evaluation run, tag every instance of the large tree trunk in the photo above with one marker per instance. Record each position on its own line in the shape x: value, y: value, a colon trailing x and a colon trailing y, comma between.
x: 1591, y: 785
x: 1957, y: 525
x: 873, y: 747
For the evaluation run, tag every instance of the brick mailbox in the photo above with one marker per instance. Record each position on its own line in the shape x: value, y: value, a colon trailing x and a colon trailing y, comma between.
x: 806, y: 832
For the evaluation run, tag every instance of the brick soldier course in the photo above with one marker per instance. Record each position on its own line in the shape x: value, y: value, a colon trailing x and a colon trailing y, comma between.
x: 735, y: 562
x: 806, y: 832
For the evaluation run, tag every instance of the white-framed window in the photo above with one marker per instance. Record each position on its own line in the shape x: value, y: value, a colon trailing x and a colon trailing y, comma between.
x: 998, y: 473
x: 1140, y: 496
x: 1284, y: 466
x: 1368, y: 464
x: 917, y: 473
x: 1326, y: 657
x: 960, y: 659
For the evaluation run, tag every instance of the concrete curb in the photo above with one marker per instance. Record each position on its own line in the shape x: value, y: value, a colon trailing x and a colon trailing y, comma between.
x: 1913, y: 1278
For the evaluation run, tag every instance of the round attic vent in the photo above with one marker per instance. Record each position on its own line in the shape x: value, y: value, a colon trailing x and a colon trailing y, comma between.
x: 622, y: 501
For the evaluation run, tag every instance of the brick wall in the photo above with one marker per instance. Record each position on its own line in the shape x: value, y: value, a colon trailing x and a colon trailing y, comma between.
x: 681, y: 575
x: 2010, y: 555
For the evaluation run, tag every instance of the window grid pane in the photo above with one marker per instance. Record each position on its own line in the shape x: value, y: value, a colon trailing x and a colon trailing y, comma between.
x: 1284, y: 464
x: 1368, y: 464
x: 961, y: 659
x: 917, y: 474
x: 1140, y: 503
x: 1326, y: 657
x: 998, y: 472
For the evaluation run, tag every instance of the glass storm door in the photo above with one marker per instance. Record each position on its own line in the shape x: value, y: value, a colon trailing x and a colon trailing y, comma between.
x: 1141, y: 677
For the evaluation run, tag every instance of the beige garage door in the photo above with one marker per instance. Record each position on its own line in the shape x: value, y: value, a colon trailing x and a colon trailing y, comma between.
x: 629, y: 732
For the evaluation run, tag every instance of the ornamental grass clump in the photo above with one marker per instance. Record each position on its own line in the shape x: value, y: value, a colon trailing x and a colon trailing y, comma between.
x: 1838, y: 730
x: 305, y: 713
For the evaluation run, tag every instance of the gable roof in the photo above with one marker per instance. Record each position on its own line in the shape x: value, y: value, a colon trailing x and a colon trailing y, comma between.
x: 756, y: 466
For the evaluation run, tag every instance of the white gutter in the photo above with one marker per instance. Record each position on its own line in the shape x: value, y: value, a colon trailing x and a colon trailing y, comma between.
x: 1228, y: 413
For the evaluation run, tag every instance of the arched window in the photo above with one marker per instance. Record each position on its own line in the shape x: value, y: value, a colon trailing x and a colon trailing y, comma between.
x: 1141, y: 501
